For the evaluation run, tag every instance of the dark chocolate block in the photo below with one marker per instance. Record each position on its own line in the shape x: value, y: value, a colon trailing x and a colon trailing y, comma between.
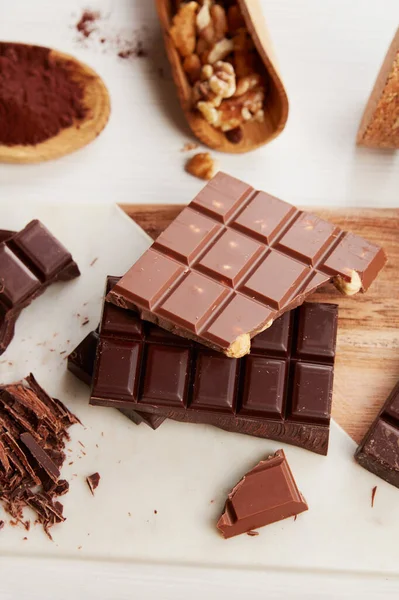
x: 379, y: 450
x: 268, y: 493
x: 30, y: 261
x: 236, y: 259
x: 282, y: 390
x: 81, y: 363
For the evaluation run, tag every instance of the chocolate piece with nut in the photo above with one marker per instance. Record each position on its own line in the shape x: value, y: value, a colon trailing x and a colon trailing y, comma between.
x: 236, y: 259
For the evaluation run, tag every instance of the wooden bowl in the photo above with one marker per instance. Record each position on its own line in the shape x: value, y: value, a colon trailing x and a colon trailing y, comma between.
x: 96, y: 99
x: 276, y: 105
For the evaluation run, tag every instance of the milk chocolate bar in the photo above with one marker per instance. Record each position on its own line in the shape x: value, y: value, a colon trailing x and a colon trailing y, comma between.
x: 282, y: 390
x: 236, y: 259
x: 379, y: 450
x: 30, y: 261
x: 268, y: 493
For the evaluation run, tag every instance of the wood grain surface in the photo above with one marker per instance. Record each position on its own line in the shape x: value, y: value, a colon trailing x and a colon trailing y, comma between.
x: 367, y: 361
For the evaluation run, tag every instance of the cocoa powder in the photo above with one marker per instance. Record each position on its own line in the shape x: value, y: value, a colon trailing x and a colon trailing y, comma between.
x: 38, y: 95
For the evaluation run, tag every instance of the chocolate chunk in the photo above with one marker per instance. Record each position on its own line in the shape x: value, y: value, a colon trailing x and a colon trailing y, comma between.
x: 234, y: 260
x: 93, y: 481
x: 30, y: 261
x: 41, y: 457
x: 266, y: 494
x: 282, y: 390
x: 379, y: 449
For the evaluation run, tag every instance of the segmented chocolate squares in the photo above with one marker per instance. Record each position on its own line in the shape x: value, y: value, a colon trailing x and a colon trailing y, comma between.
x: 282, y: 390
x: 234, y: 260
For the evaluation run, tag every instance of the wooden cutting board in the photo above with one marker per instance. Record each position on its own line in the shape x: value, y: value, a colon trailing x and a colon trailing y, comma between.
x: 367, y: 361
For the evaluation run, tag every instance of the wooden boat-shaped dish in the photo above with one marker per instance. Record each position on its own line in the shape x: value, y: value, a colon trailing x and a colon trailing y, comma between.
x: 276, y: 105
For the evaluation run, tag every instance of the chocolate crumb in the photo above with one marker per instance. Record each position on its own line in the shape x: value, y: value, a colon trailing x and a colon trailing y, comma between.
x: 96, y: 445
x: 85, y: 322
x: 188, y: 146
x: 373, y: 492
x: 234, y: 135
x: 93, y: 481
x: 129, y: 514
x: 79, y: 547
x: 63, y: 352
x: 86, y: 24
x: 252, y: 533
x: 81, y: 443
x: 70, y: 463
x: 25, y: 538
x: 10, y: 364
x: 155, y: 512
x: 295, y: 516
x: 2, y: 524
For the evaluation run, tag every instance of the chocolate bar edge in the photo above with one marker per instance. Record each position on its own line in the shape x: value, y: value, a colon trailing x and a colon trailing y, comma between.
x: 379, y: 468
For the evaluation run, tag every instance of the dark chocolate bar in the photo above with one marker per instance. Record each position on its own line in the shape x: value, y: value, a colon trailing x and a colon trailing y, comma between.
x: 81, y: 363
x: 379, y: 450
x: 266, y: 494
x: 29, y: 262
x: 282, y: 390
x: 234, y: 260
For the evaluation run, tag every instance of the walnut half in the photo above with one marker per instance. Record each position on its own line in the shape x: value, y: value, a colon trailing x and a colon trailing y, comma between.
x: 201, y: 165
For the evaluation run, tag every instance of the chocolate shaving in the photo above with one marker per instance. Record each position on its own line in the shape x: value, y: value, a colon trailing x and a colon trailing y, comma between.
x: 40, y: 456
x: 373, y: 492
x: 33, y: 432
x: 2, y: 524
x: 93, y: 481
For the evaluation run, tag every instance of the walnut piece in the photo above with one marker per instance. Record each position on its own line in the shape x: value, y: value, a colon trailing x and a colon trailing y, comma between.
x: 217, y: 82
x: 183, y: 31
x: 235, y: 19
x: 219, y: 21
x: 201, y: 165
x: 192, y: 67
x: 220, y: 50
